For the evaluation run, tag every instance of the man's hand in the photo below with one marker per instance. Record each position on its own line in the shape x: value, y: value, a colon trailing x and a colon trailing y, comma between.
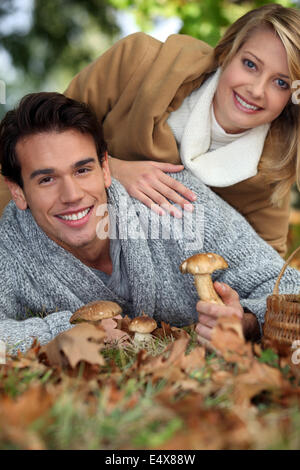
x: 209, y: 313
x: 148, y: 182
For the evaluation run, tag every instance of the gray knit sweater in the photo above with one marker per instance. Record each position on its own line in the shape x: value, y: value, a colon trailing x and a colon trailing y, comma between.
x: 42, y: 284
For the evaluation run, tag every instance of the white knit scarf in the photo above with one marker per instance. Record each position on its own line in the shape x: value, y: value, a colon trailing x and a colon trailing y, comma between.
x: 226, y: 165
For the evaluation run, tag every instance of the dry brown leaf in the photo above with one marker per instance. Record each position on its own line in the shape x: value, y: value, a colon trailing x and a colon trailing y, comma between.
x: 168, y: 331
x: 228, y: 339
x: 221, y: 377
x: 173, y: 364
x: 83, y: 342
x: 203, y: 428
x: 260, y: 377
x: 28, y: 407
x: 112, y: 333
x: 169, y: 357
x: 194, y: 360
x: 24, y: 439
x: 123, y: 324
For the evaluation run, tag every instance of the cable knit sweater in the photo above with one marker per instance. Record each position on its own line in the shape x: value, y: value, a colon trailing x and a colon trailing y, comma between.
x: 42, y: 284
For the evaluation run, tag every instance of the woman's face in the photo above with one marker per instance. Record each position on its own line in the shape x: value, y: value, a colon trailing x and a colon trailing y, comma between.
x: 255, y: 86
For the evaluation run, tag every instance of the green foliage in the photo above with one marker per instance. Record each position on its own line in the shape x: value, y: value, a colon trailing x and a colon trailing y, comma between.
x: 14, y: 384
x: 268, y: 356
x: 63, y: 32
x: 203, y: 19
x: 63, y: 37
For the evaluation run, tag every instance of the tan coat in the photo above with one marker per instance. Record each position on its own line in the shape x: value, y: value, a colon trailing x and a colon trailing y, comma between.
x: 134, y: 87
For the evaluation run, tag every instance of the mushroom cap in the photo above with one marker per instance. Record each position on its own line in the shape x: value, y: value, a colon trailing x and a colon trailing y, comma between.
x: 203, y: 263
x: 96, y: 311
x: 142, y: 324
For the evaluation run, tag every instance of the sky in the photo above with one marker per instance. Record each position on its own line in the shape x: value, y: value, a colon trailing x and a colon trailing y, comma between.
x: 162, y: 30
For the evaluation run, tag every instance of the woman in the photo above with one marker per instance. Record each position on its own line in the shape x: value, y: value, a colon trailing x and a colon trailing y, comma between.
x: 226, y: 113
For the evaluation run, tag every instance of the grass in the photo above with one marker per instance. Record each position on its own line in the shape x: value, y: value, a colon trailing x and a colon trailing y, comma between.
x: 119, y: 406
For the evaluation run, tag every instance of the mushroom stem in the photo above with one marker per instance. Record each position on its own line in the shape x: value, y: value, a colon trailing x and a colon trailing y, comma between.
x: 142, y: 337
x: 205, y: 289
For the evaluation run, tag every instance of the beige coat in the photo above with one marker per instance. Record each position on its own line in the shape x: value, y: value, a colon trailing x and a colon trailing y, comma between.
x: 133, y: 88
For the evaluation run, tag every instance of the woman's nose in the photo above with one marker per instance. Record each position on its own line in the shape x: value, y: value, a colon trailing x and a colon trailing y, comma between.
x: 257, y: 87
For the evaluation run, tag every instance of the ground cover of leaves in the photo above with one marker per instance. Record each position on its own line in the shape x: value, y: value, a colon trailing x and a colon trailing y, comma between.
x: 93, y: 388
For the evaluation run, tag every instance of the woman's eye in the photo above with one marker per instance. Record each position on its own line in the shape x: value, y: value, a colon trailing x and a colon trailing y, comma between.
x: 249, y: 63
x: 283, y: 84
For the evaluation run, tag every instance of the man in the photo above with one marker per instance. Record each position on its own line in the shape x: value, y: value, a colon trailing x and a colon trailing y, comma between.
x: 71, y: 235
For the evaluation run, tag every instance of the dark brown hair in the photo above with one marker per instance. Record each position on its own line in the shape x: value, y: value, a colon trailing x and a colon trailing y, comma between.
x: 42, y: 113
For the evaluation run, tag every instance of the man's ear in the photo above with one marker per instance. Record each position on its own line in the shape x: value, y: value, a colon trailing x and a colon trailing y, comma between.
x: 106, y: 171
x: 17, y: 194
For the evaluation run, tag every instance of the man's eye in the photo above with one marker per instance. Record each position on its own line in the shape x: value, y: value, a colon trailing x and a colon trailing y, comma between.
x: 45, y: 180
x: 81, y: 171
x: 249, y: 63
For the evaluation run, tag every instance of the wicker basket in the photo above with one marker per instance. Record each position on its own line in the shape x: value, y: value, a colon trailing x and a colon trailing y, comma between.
x: 282, y: 320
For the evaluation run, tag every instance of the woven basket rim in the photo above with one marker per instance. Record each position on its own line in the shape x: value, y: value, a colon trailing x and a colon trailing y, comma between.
x: 282, y: 319
x: 276, y: 286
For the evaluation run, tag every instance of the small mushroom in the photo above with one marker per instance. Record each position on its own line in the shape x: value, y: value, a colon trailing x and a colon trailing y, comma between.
x: 202, y: 266
x: 142, y: 327
x: 95, y: 312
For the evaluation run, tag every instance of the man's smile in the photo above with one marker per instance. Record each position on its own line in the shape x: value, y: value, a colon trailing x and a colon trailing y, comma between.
x: 76, y: 218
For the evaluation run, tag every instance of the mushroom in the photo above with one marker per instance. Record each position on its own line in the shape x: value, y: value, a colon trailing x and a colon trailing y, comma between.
x: 202, y: 266
x: 95, y: 312
x: 142, y: 327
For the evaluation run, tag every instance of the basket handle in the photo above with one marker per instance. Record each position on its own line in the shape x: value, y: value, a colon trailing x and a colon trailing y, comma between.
x: 276, y: 287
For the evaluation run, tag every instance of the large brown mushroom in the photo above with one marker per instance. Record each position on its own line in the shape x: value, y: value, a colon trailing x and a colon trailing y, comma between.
x: 202, y: 266
x: 142, y: 327
x: 95, y: 312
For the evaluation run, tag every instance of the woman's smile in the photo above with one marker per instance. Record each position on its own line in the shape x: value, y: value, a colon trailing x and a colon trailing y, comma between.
x: 244, y: 105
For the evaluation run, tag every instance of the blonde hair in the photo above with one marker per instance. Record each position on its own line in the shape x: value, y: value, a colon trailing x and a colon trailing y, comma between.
x: 281, y: 168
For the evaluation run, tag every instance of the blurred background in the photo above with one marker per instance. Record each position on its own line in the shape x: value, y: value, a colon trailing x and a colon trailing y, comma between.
x: 44, y: 43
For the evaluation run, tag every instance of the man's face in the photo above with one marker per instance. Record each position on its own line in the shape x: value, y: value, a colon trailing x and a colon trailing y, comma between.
x: 63, y: 186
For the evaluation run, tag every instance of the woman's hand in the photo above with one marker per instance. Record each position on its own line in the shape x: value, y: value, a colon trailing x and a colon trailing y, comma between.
x: 147, y: 182
x: 209, y: 314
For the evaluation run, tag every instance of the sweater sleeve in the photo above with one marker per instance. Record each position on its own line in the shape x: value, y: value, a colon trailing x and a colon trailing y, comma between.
x: 272, y: 223
x: 254, y: 265
x: 19, y: 334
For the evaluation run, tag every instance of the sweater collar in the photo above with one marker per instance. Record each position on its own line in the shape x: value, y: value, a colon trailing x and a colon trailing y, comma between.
x: 229, y: 164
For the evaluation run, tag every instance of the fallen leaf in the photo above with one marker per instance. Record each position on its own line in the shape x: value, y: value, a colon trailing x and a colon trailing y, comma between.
x: 26, y: 408
x: 83, y: 342
x: 210, y: 429
x: 228, y: 339
x: 112, y: 333
x: 260, y: 377
x: 173, y: 364
x: 168, y: 331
